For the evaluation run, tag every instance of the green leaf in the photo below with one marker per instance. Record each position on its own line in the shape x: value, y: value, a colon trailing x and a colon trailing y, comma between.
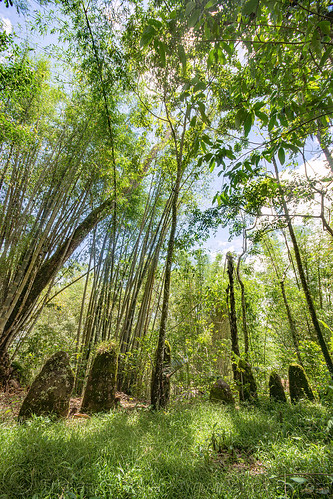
x: 189, y: 7
x: 315, y: 43
x: 147, y: 36
x: 262, y: 116
x: 195, y: 146
x: 154, y: 22
x: 202, y: 110
x: 183, y: 96
x: 193, y: 121
x: 250, y: 7
x: 206, y: 139
x: 229, y: 48
x: 298, y: 479
x: 283, y: 119
x: 248, y: 124
x: 161, y: 51
x: 325, y: 27
x: 194, y: 18
x: 271, y: 123
x: 325, y: 56
x: 325, y: 325
x: 182, y: 55
x: 240, y: 117
x: 259, y: 105
x: 211, y: 58
x: 199, y: 86
x: 221, y: 57
x: 210, y: 4
x: 281, y: 155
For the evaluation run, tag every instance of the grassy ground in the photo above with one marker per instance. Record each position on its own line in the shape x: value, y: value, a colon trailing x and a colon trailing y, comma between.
x: 194, y: 450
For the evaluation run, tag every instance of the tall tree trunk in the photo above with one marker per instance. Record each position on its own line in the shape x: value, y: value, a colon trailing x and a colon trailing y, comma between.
x: 158, y: 398
x: 44, y: 275
x: 157, y: 384
x: 306, y: 290
x: 292, y: 325
x: 243, y: 301
x: 232, y: 315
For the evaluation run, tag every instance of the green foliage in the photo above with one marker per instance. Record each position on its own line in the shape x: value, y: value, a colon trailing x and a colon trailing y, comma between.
x: 314, y: 365
x: 196, y: 450
x: 55, y: 330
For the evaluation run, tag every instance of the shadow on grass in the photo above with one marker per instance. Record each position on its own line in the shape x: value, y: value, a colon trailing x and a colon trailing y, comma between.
x: 142, y: 454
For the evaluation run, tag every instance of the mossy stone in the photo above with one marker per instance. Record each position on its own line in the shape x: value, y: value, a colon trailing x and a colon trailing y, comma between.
x: 299, y: 387
x: 100, y: 391
x: 247, y: 385
x: 166, y: 386
x: 50, y: 392
x: 276, y: 390
x: 221, y: 392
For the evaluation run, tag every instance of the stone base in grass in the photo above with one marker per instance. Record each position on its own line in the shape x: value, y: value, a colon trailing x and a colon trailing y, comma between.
x: 50, y: 392
x: 221, y: 392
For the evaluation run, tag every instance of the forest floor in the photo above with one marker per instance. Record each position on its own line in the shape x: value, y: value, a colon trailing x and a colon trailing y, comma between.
x: 11, y: 401
x: 194, y: 449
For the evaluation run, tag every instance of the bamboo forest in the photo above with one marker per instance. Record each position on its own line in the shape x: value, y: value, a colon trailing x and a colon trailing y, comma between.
x: 166, y: 249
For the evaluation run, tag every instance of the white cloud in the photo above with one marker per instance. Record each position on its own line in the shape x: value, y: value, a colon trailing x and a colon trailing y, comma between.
x: 7, y: 25
x: 315, y: 167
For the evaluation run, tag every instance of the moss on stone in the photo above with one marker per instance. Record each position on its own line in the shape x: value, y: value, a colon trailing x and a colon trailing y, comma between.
x: 221, y: 392
x: 276, y: 391
x: 299, y: 387
x: 100, y: 390
x: 166, y: 374
x: 51, y: 390
x: 247, y: 385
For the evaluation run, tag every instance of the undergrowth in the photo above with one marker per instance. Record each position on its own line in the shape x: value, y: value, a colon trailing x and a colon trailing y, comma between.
x: 196, y: 450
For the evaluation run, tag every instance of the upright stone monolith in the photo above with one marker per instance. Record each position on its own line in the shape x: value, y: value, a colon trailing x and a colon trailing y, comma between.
x: 247, y: 385
x: 276, y: 391
x: 50, y: 392
x: 165, y: 396
x: 299, y: 387
x: 100, y: 392
x: 221, y: 392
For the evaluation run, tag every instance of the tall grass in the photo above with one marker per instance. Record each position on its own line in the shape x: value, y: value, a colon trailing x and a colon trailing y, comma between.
x: 196, y: 450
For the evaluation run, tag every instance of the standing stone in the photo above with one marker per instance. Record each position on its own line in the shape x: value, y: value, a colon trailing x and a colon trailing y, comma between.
x: 51, y: 390
x: 165, y: 396
x: 276, y: 391
x: 100, y: 392
x: 221, y: 392
x: 247, y: 385
x: 299, y: 387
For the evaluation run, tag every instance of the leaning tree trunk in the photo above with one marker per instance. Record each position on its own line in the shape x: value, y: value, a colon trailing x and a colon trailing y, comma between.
x: 306, y: 290
x: 43, y: 276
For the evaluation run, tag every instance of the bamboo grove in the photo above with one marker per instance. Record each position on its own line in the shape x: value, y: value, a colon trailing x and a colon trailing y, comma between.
x: 104, y: 170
